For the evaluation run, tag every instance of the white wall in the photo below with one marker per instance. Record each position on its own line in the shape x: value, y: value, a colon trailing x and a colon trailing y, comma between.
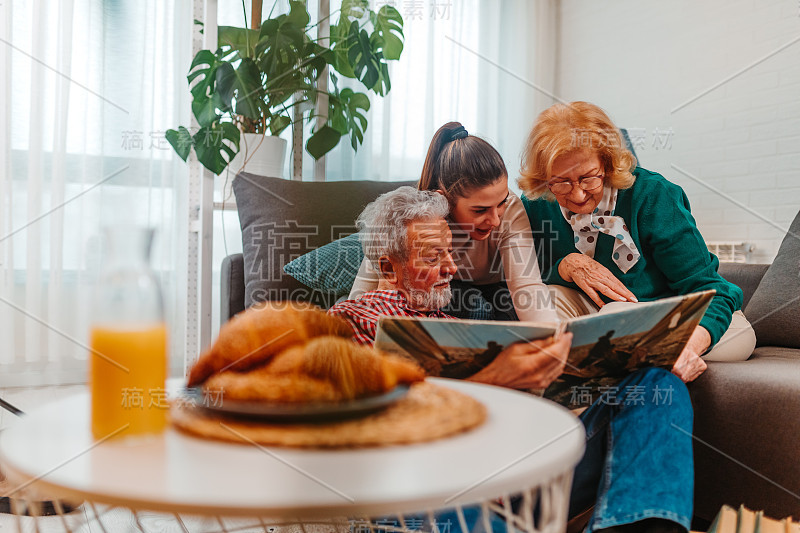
x: 641, y: 60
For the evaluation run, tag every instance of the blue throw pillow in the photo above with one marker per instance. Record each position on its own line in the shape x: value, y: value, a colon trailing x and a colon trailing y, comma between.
x: 331, y: 268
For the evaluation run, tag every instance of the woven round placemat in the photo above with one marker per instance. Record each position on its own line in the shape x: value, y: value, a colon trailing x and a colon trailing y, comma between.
x: 427, y: 412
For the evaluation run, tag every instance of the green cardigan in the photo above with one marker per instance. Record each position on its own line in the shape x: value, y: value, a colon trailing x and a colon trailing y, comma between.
x: 674, y: 258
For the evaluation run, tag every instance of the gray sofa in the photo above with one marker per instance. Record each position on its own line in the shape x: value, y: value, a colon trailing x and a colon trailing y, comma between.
x: 747, y: 414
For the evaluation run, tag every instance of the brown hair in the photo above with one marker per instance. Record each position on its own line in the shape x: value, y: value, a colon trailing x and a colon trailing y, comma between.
x: 565, y: 128
x: 458, y: 163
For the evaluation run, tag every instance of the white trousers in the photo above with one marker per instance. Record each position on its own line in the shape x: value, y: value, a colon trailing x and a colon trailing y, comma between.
x: 736, y: 344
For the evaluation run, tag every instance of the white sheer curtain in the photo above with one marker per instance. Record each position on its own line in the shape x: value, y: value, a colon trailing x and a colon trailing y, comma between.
x: 88, y: 89
x: 473, y: 61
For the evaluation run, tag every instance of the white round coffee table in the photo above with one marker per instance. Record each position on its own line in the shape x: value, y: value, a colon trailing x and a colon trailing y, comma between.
x: 527, y: 445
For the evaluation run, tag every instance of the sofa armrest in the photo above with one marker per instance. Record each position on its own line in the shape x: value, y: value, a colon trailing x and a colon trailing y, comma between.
x: 231, y: 287
x: 746, y: 276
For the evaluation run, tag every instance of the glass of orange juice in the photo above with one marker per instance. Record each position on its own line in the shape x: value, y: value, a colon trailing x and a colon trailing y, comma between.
x: 128, y: 340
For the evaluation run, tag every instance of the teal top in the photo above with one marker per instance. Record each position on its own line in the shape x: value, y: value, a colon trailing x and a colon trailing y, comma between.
x: 674, y: 257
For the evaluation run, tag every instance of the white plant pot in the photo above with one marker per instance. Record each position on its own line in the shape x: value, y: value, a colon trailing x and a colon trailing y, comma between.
x: 260, y: 154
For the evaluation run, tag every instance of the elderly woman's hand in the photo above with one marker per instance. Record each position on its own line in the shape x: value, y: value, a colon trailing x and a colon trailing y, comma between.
x: 527, y: 365
x: 592, y: 277
x: 690, y: 365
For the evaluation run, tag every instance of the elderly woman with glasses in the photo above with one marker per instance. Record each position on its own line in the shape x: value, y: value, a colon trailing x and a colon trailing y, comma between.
x: 609, y: 231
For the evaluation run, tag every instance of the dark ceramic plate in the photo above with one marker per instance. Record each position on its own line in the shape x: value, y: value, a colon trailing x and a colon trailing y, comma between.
x: 289, y: 412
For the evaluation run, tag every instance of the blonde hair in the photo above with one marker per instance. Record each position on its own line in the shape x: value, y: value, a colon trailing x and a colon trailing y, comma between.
x: 565, y: 128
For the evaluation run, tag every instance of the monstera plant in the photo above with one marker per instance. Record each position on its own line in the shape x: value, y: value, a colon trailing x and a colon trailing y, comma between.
x: 256, y: 78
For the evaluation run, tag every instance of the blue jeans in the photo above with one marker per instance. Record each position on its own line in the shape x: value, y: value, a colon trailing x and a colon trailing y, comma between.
x: 638, y: 462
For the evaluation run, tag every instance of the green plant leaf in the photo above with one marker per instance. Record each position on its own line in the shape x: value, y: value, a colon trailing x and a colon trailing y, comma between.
x: 389, y: 28
x: 279, y: 48
x: 269, y: 28
x: 288, y: 59
x: 181, y: 141
x: 202, y: 73
x: 298, y: 14
x: 205, y: 109
x: 336, y: 114
x: 354, y: 106
x: 322, y: 141
x: 353, y: 10
x: 384, y: 83
x: 316, y: 58
x: 340, y: 41
x: 242, y: 40
x: 341, y: 64
x: 240, y: 88
x: 347, y: 115
x: 337, y: 119
x: 216, y: 146
x: 366, y: 60
x: 278, y: 124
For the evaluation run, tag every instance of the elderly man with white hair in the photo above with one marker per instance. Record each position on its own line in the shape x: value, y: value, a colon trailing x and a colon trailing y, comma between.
x: 406, y: 237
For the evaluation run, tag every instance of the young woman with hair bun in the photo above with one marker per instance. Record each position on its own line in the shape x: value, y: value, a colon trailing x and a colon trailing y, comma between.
x: 498, y: 274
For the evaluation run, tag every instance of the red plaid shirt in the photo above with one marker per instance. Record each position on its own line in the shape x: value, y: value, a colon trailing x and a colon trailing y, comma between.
x: 363, y: 314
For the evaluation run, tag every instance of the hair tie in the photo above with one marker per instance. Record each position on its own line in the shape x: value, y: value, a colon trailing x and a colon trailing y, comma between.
x: 458, y: 133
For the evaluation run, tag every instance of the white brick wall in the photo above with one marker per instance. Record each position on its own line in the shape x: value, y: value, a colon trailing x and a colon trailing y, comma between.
x: 641, y: 59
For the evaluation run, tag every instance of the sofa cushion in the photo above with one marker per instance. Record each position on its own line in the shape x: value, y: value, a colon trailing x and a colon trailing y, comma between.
x: 746, y: 276
x: 282, y: 220
x: 331, y: 268
x: 775, y: 305
x: 776, y: 352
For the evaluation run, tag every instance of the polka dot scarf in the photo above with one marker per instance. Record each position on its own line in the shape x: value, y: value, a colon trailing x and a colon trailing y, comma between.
x: 587, y: 227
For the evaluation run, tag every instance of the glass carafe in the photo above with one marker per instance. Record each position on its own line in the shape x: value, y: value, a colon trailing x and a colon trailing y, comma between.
x: 128, y: 340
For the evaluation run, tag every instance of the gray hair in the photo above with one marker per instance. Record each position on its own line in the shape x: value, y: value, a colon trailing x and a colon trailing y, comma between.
x: 383, y: 225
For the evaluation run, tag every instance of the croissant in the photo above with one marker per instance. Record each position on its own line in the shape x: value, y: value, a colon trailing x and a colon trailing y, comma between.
x: 252, y: 337
x: 326, y: 369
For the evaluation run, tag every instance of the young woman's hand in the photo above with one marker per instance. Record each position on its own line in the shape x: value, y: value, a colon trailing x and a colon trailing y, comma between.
x: 592, y: 277
x: 527, y: 365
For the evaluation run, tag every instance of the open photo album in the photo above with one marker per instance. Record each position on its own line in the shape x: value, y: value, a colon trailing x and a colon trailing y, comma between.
x: 614, y: 342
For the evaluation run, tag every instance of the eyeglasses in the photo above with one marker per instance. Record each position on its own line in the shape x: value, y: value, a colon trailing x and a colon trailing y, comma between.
x: 587, y: 183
